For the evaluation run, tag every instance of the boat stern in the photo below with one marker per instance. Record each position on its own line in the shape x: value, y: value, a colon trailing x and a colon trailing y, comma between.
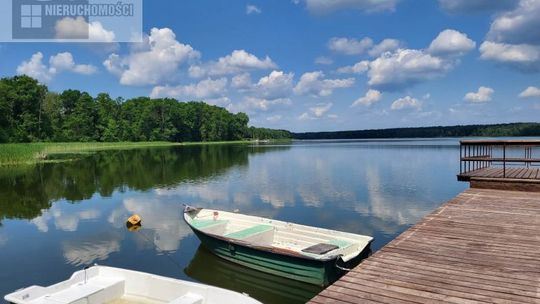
x: 25, y: 295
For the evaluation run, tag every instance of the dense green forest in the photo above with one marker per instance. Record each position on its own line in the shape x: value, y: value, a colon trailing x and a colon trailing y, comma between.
x: 29, y: 112
x: 512, y: 129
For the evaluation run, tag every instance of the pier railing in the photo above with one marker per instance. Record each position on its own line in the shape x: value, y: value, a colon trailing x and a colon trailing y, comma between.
x: 477, y: 156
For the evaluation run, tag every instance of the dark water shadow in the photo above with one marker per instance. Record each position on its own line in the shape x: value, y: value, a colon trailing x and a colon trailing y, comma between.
x: 210, y: 269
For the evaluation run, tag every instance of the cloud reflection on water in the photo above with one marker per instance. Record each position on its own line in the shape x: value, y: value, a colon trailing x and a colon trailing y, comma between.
x: 63, y: 218
x: 161, y: 219
x: 90, y: 249
x: 385, y: 191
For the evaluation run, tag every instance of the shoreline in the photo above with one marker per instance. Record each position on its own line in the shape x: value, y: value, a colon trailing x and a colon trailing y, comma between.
x: 13, y: 154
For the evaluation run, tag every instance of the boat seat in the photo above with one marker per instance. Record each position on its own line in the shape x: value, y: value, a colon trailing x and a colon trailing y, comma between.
x: 251, y: 231
x: 202, y: 224
x: 100, y: 288
x: 320, y: 248
x: 188, y: 298
x: 324, y: 248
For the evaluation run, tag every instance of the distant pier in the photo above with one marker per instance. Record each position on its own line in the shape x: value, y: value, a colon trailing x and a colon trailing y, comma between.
x: 483, y: 246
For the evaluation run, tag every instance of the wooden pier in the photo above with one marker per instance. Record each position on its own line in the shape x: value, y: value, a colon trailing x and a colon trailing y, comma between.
x: 483, y: 246
x: 501, y: 164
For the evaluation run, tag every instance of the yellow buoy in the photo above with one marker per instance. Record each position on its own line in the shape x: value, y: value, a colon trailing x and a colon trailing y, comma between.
x: 133, y: 223
x: 134, y: 219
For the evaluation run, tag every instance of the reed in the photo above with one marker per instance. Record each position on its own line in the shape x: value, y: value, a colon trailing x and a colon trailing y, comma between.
x: 31, y: 153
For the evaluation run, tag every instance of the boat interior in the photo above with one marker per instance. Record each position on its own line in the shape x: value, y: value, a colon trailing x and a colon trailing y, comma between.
x: 317, y: 243
x: 100, y: 284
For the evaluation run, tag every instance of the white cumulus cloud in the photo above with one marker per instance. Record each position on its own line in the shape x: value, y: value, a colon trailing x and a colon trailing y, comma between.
x: 522, y: 56
x: 78, y: 28
x: 207, y: 88
x: 387, y: 45
x: 65, y: 62
x: 358, y: 68
x: 328, y: 6
x: 518, y: 26
x: 274, y: 118
x: 530, y: 92
x: 324, y: 60
x: 276, y: 85
x: 475, y: 6
x: 349, y: 46
x: 406, y: 103
x: 371, y: 97
x: 155, y: 61
x: 320, y: 109
x: 35, y: 68
x: 252, y: 104
x: 451, y: 42
x: 316, y: 112
x: 514, y: 39
x: 237, y: 62
x: 241, y: 81
x: 252, y: 9
x: 61, y: 62
x: 313, y: 83
x: 405, y: 67
x: 483, y: 94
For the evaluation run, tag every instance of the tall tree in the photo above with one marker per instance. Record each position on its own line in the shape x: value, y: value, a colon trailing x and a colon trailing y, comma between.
x: 23, y: 97
x: 28, y: 112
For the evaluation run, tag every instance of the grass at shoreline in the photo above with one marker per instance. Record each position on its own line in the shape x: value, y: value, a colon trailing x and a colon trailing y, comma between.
x: 31, y: 153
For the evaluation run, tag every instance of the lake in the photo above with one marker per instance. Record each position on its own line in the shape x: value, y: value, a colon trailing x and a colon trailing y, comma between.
x: 56, y: 218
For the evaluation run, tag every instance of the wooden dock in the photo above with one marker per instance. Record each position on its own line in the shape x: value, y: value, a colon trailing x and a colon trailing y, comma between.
x: 497, y: 173
x: 483, y: 246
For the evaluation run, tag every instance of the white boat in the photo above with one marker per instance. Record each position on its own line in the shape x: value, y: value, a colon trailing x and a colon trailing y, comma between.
x: 303, y: 253
x: 100, y: 284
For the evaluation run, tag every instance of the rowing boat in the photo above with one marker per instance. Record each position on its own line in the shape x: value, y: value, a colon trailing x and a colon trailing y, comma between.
x: 303, y: 253
x: 100, y: 284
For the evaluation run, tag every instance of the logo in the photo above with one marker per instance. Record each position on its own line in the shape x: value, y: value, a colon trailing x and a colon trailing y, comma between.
x: 31, y: 16
x: 72, y: 20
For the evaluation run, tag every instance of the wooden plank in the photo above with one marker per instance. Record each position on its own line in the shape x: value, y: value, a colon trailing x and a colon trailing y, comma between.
x: 494, y: 173
x: 336, y: 294
x: 532, y: 173
x: 382, y: 297
x: 493, y: 192
x: 480, y: 247
x: 472, y: 270
x: 463, y: 275
x: 513, y: 172
x: 413, y: 290
x: 522, y: 171
x: 478, y: 292
x: 487, y: 228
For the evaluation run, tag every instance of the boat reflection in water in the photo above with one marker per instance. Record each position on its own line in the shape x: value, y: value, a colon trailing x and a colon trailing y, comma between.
x: 210, y: 269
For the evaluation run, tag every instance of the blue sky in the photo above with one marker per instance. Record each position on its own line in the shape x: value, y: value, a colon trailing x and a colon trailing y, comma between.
x: 311, y: 65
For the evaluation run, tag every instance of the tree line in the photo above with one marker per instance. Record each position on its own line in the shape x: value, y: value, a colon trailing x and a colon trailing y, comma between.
x: 495, y: 130
x: 29, y: 112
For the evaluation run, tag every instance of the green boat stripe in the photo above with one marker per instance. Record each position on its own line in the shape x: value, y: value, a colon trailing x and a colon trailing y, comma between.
x: 201, y: 224
x: 279, y: 272
x: 314, y: 279
x: 306, y: 272
x: 242, y: 234
x: 281, y: 266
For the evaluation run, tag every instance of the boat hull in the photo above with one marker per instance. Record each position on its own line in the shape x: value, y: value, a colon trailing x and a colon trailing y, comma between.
x: 210, y: 269
x: 321, y: 273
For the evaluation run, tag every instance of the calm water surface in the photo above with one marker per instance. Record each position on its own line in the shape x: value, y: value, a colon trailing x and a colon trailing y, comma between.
x: 57, y: 218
